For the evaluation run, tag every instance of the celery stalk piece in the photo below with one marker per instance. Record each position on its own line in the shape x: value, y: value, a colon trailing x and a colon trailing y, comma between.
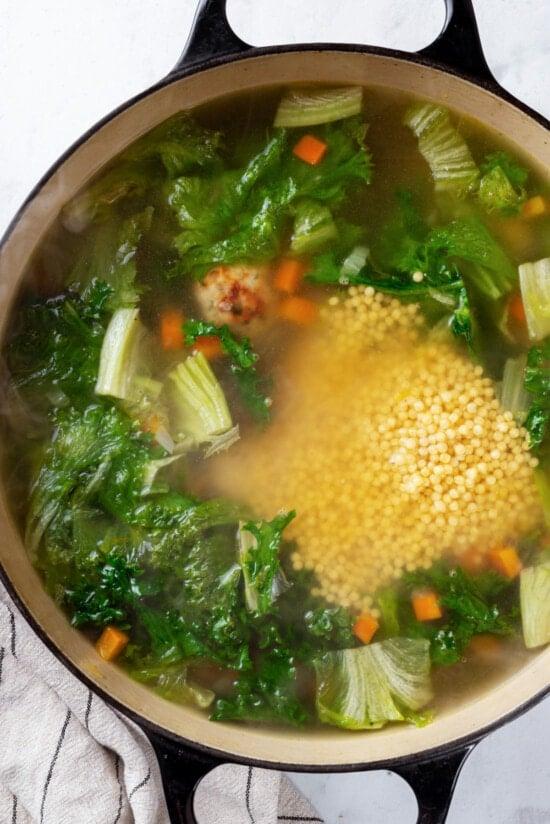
x: 123, y: 356
x: 513, y: 395
x: 443, y: 148
x: 199, y: 406
x: 366, y: 687
x: 355, y: 261
x: 534, y: 281
x: 534, y: 593
x: 310, y: 107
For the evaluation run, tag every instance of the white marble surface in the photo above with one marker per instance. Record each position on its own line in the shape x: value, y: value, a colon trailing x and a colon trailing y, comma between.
x: 64, y: 64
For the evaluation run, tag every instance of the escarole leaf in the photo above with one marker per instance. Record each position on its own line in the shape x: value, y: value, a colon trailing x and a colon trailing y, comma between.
x: 366, y: 687
x: 259, y: 545
x: 444, y: 149
x: 534, y: 281
x: 534, y: 592
x: 172, y: 683
x: 501, y: 188
x: 310, y: 107
x: 198, y: 402
x: 313, y: 228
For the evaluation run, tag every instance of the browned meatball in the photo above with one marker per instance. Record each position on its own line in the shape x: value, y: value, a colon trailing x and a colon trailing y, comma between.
x: 239, y: 295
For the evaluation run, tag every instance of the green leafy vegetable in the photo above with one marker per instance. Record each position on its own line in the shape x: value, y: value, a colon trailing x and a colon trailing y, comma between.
x: 472, y: 605
x: 110, y: 256
x: 172, y: 683
x: 310, y: 107
x: 313, y: 228
x: 124, y: 365
x: 534, y: 280
x: 537, y: 384
x: 198, y: 401
x: 259, y: 544
x: 366, y: 687
x: 243, y: 359
x: 244, y: 214
x: 444, y: 149
x: 502, y: 184
x: 54, y: 356
x: 534, y: 590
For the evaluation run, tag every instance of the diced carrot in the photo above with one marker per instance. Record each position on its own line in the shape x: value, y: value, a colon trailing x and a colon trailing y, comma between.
x: 310, y: 149
x: 298, y: 310
x: 426, y: 605
x: 151, y: 424
x: 171, y: 329
x: 209, y: 346
x: 289, y: 274
x: 535, y: 207
x: 365, y: 627
x: 473, y: 560
x: 506, y: 561
x: 516, y: 310
x: 111, y: 642
x: 485, y: 646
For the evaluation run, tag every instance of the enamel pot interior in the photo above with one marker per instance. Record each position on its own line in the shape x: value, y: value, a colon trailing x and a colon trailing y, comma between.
x: 485, y: 704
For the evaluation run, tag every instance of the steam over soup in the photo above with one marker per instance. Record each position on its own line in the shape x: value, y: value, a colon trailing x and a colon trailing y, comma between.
x: 279, y: 402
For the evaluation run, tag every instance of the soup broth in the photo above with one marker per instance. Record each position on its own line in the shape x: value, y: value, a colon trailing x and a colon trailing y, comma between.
x: 278, y: 403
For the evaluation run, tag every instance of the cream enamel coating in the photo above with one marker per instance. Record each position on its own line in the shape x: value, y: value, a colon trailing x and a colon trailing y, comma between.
x: 270, y: 745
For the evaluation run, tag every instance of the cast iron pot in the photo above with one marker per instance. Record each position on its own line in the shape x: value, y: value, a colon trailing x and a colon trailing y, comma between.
x: 215, y: 62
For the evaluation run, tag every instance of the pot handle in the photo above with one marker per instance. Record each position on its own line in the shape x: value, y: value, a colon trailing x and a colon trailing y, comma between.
x: 210, y: 36
x: 433, y: 783
x: 458, y: 46
x: 181, y: 771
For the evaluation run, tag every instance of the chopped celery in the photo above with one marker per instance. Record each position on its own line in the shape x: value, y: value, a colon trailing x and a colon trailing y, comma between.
x: 534, y: 281
x: 354, y: 262
x: 199, y: 406
x: 534, y: 593
x: 123, y: 356
x: 313, y: 227
x: 309, y: 107
x: 443, y: 148
x: 366, y: 687
x: 513, y: 395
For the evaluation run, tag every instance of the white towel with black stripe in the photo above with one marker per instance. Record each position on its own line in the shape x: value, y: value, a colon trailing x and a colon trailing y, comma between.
x: 66, y: 757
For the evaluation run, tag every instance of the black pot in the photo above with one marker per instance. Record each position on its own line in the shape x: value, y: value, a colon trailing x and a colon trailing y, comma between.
x: 187, y: 752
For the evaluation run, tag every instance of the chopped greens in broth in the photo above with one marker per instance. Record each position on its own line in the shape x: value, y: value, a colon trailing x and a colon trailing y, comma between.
x: 279, y: 408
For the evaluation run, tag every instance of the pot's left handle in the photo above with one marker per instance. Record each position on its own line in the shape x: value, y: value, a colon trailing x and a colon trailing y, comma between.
x: 210, y: 36
x: 181, y: 771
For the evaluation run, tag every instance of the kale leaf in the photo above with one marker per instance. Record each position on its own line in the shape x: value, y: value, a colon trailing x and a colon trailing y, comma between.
x: 260, y: 542
x: 537, y: 383
x: 472, y: 605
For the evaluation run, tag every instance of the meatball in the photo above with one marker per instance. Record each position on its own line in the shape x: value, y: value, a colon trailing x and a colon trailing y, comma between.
x: 239, y: 295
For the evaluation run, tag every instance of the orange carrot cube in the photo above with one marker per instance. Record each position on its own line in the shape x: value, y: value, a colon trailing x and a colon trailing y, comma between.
x: 111, y: 643
x: 365, y: 627
x: 426, y: 605
x: 310, y: 149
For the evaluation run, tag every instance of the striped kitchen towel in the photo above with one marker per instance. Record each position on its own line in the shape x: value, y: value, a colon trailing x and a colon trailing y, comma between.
x: 68, y: 758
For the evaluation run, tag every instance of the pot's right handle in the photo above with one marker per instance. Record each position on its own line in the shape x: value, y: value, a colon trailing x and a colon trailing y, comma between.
x: 458, y: 46
x: 433, y: 783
